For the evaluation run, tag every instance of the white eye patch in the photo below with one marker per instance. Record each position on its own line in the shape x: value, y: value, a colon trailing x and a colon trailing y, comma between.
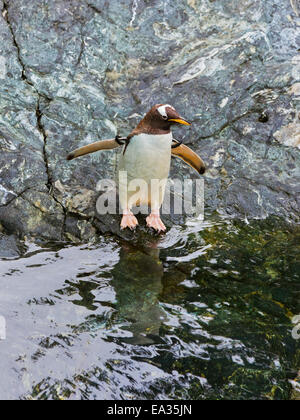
x: 162, y: 110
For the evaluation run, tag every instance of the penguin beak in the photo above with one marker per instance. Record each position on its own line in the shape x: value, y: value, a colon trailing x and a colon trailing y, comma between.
x: 179, y: 121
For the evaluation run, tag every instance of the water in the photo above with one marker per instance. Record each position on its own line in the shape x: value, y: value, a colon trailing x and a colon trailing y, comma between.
x: 201, y: 313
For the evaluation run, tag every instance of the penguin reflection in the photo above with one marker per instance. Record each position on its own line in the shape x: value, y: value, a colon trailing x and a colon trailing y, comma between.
x: 137, y: 280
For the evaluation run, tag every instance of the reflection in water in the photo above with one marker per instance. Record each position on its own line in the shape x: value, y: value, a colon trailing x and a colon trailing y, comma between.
x: 203, y: 312
x: 137, y: 280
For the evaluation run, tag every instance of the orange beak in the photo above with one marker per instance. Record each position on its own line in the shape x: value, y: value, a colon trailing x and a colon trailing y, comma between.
x: 179, y: 121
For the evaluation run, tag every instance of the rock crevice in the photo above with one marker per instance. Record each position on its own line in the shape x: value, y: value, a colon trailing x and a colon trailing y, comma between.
x: 75, y: 72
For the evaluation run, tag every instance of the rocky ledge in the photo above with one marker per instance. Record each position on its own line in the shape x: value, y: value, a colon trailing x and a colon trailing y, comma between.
x: 73, y: 72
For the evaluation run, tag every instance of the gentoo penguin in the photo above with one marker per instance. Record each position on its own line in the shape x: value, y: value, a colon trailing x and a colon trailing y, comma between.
x: 146, y: 156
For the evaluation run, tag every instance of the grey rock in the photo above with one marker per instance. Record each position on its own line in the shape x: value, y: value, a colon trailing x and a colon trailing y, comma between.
x: 73, y: 72
x: 10, y: 247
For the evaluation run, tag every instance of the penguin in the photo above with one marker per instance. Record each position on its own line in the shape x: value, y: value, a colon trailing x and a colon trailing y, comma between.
x: 146, y: 156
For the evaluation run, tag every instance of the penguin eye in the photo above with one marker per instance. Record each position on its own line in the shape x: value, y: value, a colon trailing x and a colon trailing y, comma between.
x: 165, y: 117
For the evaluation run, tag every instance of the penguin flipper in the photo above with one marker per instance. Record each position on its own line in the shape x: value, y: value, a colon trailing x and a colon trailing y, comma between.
x: 93, y: 147
x: 191, y: 158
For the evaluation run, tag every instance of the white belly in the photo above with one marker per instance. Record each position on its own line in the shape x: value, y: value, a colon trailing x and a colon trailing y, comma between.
x: 147, y: 158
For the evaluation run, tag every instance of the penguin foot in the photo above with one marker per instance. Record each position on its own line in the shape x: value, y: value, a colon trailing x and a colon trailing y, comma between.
x: 154, y: 221
x: 129, y: 220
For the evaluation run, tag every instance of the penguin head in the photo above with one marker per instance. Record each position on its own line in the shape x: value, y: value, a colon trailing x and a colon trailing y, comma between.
x: 163, y: 116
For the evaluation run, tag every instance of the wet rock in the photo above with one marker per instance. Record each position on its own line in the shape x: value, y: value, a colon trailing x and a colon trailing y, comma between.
x: 75, y: 72
x: 34, y: 214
